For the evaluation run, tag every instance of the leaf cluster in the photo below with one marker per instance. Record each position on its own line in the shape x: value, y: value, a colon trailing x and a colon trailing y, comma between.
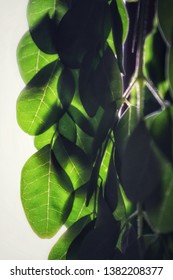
x: 104, y: 160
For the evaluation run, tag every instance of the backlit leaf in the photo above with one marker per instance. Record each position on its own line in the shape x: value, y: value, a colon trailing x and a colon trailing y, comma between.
x: 111, y: 185
x: 73, y: 160
x: 45, y: 138
x: 79, y: 208
x: 38, y: 105
x: 60, y: 249
x: 30, y: 59
x: 84, y: 123
x: 45, y: 189
x: 67, y: 128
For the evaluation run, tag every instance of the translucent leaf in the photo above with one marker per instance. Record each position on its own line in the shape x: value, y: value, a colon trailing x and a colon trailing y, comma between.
x: 80, y: 119
x: 67, y: 128
x: 45, y: 138
x: 38, y: 105
x: 59, y: 250
x: 45, y: 189
x: 30, y: 59
x: 165, y: 9
x: 84, y: 141
x: 140, y: 169
x: 124, y: 18
x: 73, y: 160
x: 105, y: 161
x: 112, y: 185
x: 79, y: 208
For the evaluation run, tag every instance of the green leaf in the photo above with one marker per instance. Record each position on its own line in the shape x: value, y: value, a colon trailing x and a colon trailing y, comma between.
x: 38, y: 105
x: 43, y: 18
x: 140, y: 170
x: 66, y: 87
x: 170, y: 68
x: 111, y: 185
x: 161, y: 129
x: 165, y: 9
x: 124, y: 18
x: 108, y: 81
x: 59, y: 250
x: 107, y: 122
x: 67, y: 128
x: 30, y: 59
x: 99, y: 243
x: 38, y: 9
x: 74, y: 40
x: 73, y: 160
x: 84, y: 141
x: 84, y: 123
x: 154, y: 58
x: 159, y: 207
x: 46, y: 28
x: 45, y: 189
x: 79, y: 208
x: 45, y: 138
x: 120, y: 211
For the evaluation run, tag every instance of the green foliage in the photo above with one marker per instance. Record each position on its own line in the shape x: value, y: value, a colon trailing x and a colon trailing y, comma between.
x: 104, y: 165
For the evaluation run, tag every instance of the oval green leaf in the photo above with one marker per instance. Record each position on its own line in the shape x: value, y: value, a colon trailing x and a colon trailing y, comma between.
x: 38, y: 105
x: 31, y: 59
x: 45, y: 138
x: 73, y: 160
x: 45, y: 190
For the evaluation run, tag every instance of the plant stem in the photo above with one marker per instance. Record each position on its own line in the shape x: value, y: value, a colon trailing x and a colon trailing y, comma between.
x: 155, y: 93
x: 142, y: 12
x: 141, y: 37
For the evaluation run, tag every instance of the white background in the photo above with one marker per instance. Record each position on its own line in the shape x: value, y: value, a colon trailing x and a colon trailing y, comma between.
x: 17, y: 241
